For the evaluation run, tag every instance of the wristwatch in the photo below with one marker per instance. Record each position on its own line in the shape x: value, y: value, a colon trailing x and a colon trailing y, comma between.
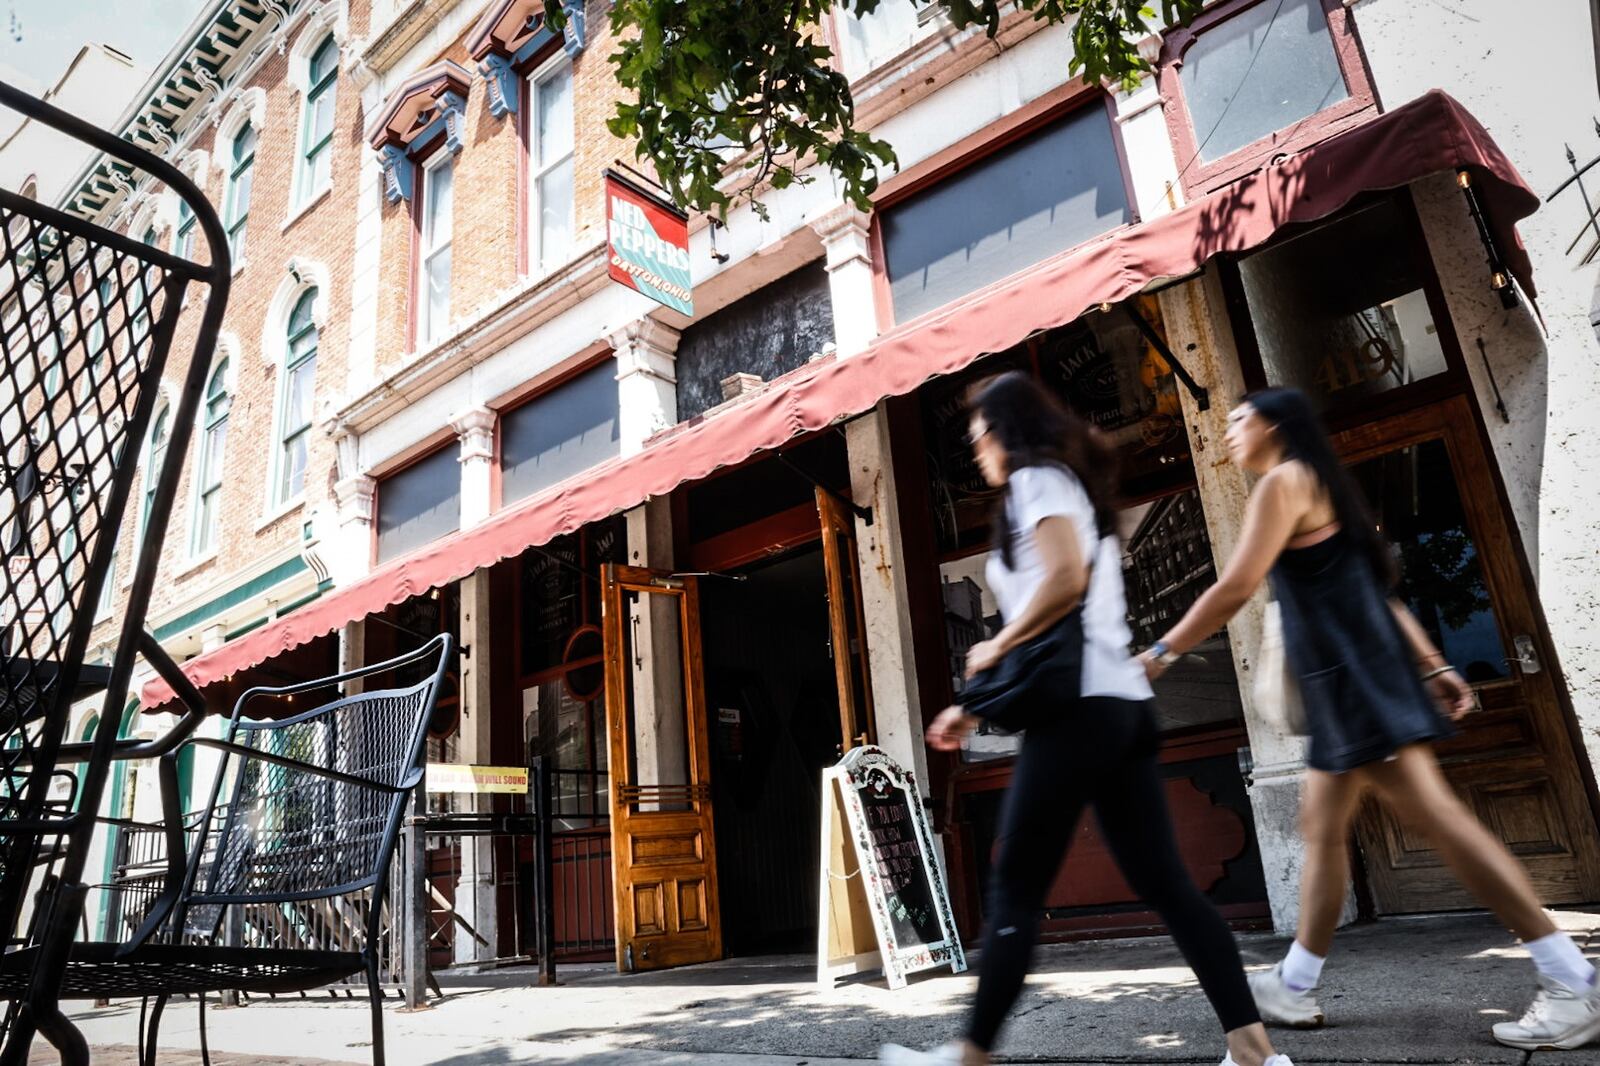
x: 1162, y: 654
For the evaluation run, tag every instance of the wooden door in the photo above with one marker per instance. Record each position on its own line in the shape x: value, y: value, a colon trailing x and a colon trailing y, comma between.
x: 1430, y: 481
x: 847, y: 631
x: 662, y: 844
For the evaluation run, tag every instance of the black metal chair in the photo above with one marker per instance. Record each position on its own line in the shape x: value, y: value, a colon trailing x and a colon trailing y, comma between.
x: 306, y: 812
x: 87, y: 319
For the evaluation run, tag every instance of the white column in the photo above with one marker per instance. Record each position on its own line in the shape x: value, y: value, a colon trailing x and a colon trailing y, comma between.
x: 350, y: 557
x: 891, y: 654
x: 476, y: 430
x: 647, y: 380
x: 845, y: 233
x: 1198, y: 331
x: 475, y: 894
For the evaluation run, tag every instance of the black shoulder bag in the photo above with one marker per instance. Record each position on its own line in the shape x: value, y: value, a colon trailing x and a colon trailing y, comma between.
x: 1034, y: 681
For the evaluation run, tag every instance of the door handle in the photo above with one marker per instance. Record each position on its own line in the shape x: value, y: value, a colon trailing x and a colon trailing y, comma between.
x: 1527, y: 658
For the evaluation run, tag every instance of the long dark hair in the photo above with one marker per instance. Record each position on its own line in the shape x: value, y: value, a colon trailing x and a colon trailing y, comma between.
x: 1036, y: 429
x: 1302, y: 437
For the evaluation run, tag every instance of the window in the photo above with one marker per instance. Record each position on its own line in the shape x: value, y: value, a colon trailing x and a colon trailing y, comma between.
x: 157, y: 456
x: 438, y: 195
x: 316, y: 133
x: 867, y: 41
x: 183, y: 242
x: 108, y: 590
x: 550, y: 164
x: 94, y: 343
x: 419, y: 504
x: 1062, y: 185
x: 299, y: 378
x: 559, y: 433
x: 49, y: 357
x: 208, y: 472
x: 141, y: 296
x: 237, y: 212
x: 1343, y: 311
x: 1250, y: 77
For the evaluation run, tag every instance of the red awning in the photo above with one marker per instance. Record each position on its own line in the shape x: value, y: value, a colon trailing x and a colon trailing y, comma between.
x: 1430, y: 135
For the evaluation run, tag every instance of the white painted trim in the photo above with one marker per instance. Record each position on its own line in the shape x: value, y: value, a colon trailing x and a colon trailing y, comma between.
x: 251, y: 107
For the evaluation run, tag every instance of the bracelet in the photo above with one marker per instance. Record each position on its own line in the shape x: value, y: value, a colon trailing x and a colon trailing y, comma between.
x: 1445, y: 669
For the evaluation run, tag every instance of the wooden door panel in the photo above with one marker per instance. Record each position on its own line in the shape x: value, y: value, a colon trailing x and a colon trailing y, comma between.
x: 663, y: 841
x: 1511, y: 761
x: 847, y: 628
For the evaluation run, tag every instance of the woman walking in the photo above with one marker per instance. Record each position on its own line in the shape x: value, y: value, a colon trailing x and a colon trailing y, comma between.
x: 1372, y: 685
x: 1090, y: 737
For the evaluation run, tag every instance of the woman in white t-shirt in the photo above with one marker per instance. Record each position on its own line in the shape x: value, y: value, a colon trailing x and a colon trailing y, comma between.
x: 1055, y: 550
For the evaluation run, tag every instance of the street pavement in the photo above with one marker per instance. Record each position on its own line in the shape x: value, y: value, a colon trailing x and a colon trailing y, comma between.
x: 1420, y: 991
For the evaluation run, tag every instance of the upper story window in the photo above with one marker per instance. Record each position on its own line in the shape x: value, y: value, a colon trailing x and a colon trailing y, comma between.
x: 435, y: 230
x: 1041, y: 194
x: 155, y: 458
x: 208, y: 471
x: 184, y: 236
x: 866, y: 41
x: 141, y: 295
x: 316, y: 132
x: 294, y: 400
x: 559, y: 433
x: 550, y: 143
x: 419, y: 504
x: 1256, y: 78
x: 236, y: 211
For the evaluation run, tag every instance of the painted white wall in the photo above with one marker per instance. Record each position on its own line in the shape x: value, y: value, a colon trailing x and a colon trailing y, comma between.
x: 1531, y: 82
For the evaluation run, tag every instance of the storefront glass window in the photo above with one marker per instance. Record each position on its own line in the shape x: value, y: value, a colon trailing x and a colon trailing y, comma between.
x: 1104, y: 368
x: 1441, y: 579
x: 1342, y: 311
x: 563, y: 683
x: 1289, y: 71
x: 1044, y: 194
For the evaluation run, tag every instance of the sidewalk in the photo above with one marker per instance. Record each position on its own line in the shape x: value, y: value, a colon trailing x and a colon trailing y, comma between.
x: 1399, y: 991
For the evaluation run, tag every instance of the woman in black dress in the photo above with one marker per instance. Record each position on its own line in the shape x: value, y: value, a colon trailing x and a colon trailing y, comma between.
x: 1376, y: 693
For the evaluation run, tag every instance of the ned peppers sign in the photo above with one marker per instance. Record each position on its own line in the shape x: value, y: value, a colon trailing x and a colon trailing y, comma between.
x: 648, y: 242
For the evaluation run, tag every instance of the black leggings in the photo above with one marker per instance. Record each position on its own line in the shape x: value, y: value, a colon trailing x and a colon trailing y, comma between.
x: 1101, y: 751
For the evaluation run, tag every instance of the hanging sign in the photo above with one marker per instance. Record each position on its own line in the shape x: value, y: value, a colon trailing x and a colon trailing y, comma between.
x: 455, y: 777
x: 882, y: 898
x: 647, y: 241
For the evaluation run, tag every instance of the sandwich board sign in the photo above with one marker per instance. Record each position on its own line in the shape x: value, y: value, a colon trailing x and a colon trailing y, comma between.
x: 882, y: 899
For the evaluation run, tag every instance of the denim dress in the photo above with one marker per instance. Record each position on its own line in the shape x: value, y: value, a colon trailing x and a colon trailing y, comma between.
x: 1359, y: 683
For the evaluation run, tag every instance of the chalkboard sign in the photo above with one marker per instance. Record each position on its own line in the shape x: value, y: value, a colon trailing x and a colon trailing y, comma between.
x: 896, y: 882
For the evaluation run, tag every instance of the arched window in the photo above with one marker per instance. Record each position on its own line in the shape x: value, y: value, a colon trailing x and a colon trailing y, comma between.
x: 237, y: 208
x: 183, y: 243
x: 159, y: 433
x: 208, y: 471
x: 294, y: 399
x: 316, y: 127
x: 141, y: 297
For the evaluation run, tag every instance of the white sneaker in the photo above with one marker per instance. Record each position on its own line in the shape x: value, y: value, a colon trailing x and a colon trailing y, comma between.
x: 1281, y: 1005
x: 944, y: 1055
x: 1559, y: 1019
x: 1270, y: 1060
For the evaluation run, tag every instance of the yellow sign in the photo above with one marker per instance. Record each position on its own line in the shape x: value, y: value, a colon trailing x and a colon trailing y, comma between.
x: 453, y: 777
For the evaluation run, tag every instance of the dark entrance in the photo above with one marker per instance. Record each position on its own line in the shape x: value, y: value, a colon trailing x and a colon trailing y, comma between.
x: 773, y: 707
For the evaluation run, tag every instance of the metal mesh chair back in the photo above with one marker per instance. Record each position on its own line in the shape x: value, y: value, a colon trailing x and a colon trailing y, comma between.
x: 86, y: 319
x: 316, y: 813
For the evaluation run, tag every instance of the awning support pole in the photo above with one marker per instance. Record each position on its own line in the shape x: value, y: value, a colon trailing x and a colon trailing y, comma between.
x: 1202, y: 398
x: 863, y: 513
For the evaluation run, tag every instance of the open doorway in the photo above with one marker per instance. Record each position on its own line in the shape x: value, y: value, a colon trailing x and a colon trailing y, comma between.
x: 772, y: 701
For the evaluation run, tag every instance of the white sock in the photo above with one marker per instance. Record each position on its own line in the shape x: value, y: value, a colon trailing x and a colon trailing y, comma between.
x: 1557, y: 956
x: 1302, y: 969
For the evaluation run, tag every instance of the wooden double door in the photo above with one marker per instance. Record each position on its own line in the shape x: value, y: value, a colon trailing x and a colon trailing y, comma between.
x: 664, y: 864
x: 1434, y: 490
